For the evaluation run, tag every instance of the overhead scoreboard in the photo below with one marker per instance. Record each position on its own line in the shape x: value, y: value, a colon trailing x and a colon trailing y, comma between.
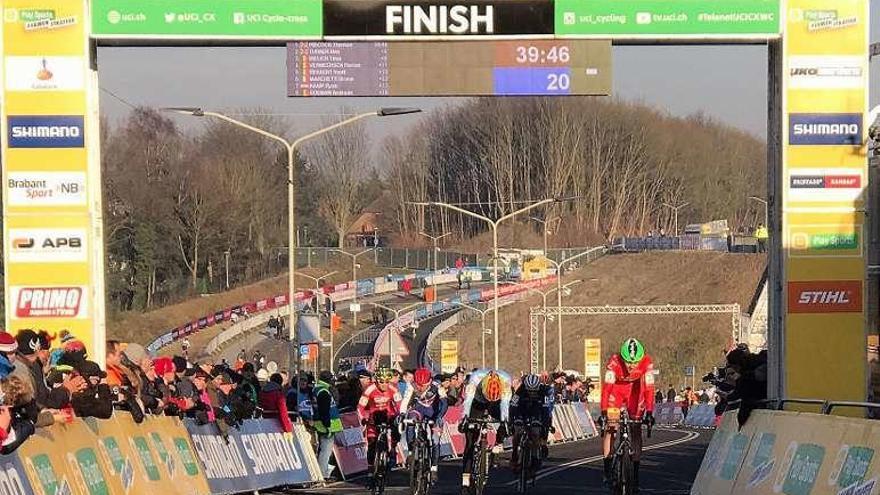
x: 465, y: 68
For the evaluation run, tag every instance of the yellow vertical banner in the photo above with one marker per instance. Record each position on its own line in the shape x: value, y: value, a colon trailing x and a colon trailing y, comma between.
x: 448, y: 355
x: 825, y: 106
x: 593, y: 366
x: 52, y: 240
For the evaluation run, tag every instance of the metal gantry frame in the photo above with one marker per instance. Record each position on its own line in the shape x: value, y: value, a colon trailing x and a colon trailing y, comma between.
x: 537, y: 313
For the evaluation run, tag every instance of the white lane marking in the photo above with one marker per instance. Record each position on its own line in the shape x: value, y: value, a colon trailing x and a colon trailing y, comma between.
x: 580, y: 462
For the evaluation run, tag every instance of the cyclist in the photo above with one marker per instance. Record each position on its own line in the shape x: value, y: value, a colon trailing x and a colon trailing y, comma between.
x: 379, y: 405
x: 532, y: 401
x: 629, y: 383
x: 424, y: 402
x: 487, y: 395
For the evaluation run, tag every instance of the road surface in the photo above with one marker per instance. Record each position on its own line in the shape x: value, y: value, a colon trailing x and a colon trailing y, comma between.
x: 669, y: 468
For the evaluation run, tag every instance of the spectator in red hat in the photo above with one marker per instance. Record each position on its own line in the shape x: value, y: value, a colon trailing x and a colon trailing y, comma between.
x: 175, y: 405
x: 8, y: 348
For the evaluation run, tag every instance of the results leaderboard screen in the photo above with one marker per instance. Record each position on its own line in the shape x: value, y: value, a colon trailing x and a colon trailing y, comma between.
x: 461, y: 68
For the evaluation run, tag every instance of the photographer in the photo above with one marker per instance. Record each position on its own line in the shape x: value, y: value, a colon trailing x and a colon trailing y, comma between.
x: 744, y: 379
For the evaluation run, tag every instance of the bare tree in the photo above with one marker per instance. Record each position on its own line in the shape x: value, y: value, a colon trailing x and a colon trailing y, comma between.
x: 340, y: 160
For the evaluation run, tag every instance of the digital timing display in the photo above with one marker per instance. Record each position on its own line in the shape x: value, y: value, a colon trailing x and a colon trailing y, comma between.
x: 464, y: 68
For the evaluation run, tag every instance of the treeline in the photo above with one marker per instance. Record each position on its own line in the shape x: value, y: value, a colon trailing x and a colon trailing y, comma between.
x: 620, y: 161
x: 177, y: 203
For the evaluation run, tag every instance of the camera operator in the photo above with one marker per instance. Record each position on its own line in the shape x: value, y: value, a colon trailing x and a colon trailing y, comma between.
x: 743, y: 378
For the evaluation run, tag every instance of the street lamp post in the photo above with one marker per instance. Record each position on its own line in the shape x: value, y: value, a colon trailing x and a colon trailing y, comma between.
x: 396, y: 317
x: 226, y: 255
x: 317, y: 281
x: 293, y: 354
x: 483, y: 328
x: 559, y: 289
x: 435, y: 241
x: 545, y: 226
x: 494, y: 225
x: 766, y: 214
x: 675, y: 212
x: 354, y: 266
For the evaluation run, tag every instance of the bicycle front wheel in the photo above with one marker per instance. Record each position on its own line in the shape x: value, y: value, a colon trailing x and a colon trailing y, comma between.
x: 380, y: 471
x: 482, y: 471
x: 415, y: 471
x: 626, y: 476
x: 525, y: 461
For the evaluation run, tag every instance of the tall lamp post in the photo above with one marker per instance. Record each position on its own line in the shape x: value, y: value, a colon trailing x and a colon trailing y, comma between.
x: 354, y: 276
x: 396, y: 317
x: 293, y: 354
x: 766, y: 214
x: 435, y: 240
x: 317, y: 281
x: 675, y: 212
x: 545, y: 226
x: 559, y: 289
x: 494, y: 225
x: 483, y: 329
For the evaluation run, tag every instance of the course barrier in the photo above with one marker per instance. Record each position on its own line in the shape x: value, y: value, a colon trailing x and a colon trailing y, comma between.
x: 161, y: 455
x: 791, y: 453
x: 668, y: 413
x: 701, y: 416
x: 571, y: 421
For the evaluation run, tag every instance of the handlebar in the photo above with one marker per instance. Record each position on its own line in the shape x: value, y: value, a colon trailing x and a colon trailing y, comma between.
x: 483, y: 421
x: 411, y: 422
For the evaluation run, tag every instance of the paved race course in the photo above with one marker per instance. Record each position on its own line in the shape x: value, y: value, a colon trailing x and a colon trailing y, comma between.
x: 668, y: 468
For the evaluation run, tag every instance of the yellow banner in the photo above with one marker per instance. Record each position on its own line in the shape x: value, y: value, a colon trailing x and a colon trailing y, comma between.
x: 53, y: 247
x: 448, y: 355
x: 825, y: 178
x: 92, y: 457
x: 593, y: 366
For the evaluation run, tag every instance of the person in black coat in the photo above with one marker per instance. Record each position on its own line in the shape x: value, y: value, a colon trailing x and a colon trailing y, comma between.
x: 96, y: 400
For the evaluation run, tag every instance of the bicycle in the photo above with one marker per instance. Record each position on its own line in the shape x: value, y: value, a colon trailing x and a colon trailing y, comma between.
x: 381, y: 464
x: 420, y: 458
x: 482, y: 458
x: 622, y: 470
x: 528, y: 442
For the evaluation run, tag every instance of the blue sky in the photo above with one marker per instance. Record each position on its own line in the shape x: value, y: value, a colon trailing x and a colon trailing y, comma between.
x: 725, y: 82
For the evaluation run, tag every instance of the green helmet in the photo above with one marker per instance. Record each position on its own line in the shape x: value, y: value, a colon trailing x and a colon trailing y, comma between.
x: 383, y: 374
x: 632, y: 351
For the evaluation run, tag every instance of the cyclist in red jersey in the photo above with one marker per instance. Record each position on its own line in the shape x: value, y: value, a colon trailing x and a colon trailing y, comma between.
x: 379, y: 404
x: 629, y: 384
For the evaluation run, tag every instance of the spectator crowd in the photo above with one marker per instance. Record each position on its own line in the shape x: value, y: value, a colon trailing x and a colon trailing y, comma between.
x: 47, y: 379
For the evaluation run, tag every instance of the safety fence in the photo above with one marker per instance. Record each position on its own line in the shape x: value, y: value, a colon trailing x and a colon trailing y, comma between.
x: 701, y: 416
x: 161, y: 455
x: 687, y: 242
x: 793, y: 453
x: 572, y: 422
x: 698, y: 416
x: 668, y: 413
